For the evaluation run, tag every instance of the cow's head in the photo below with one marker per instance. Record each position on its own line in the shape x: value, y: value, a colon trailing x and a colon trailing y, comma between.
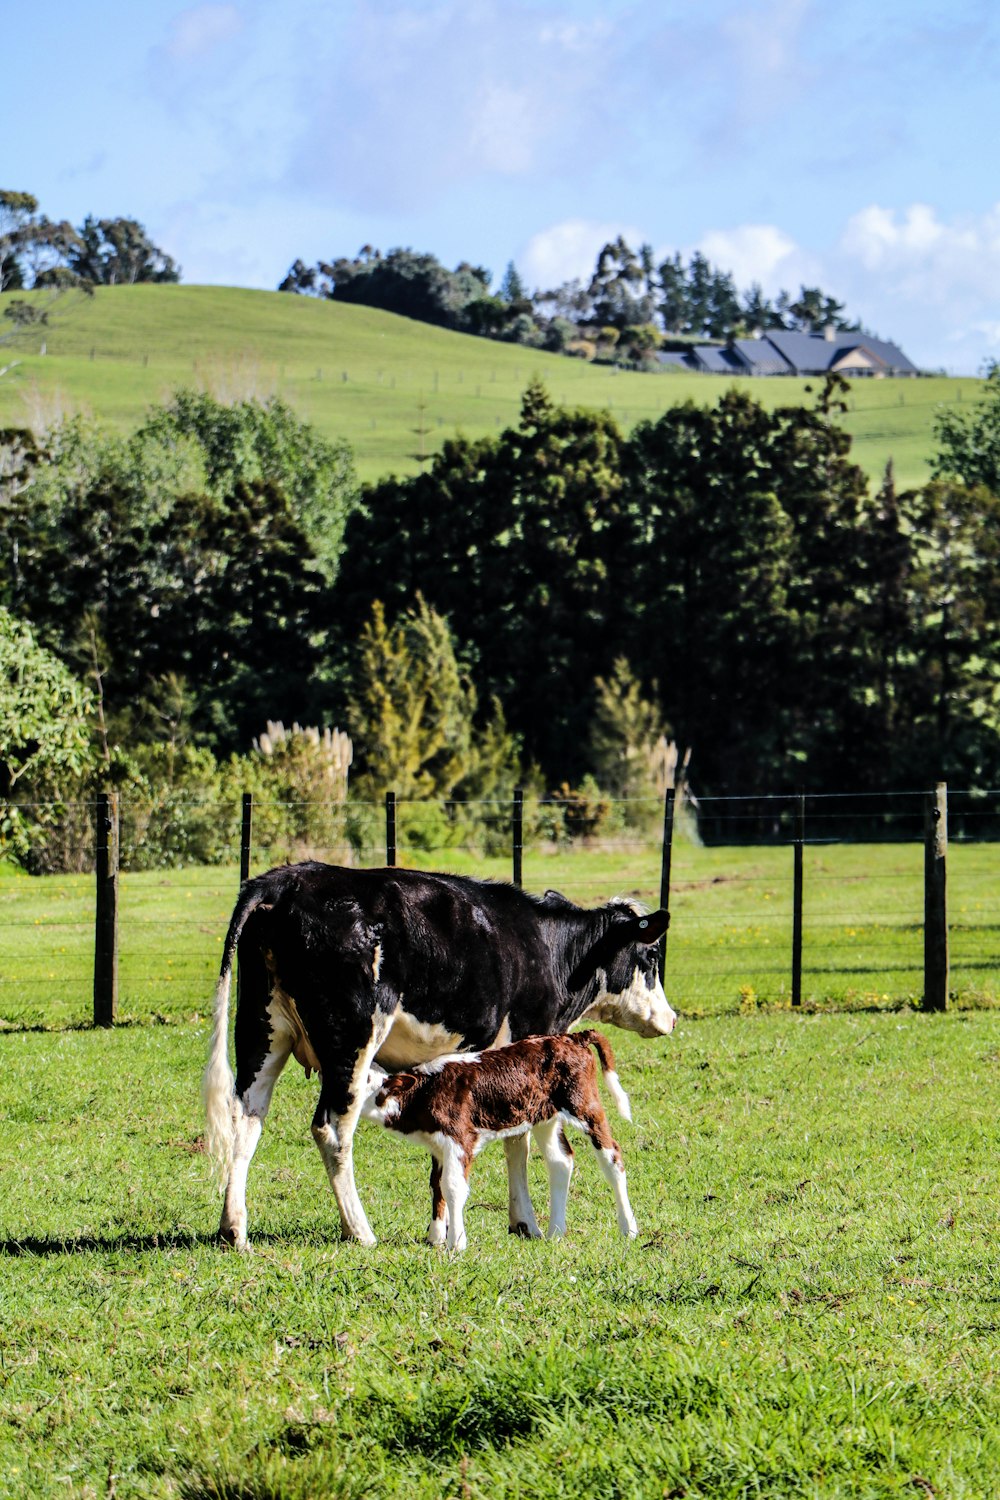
x: 620, y: 976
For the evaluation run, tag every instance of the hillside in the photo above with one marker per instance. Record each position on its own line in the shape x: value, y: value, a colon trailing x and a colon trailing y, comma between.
x: 392, y: 387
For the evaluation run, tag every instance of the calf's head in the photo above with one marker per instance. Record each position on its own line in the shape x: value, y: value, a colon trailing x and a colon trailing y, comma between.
x: 623, y: 975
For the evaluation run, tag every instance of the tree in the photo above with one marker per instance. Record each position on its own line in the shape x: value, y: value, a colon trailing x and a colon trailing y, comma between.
x: 302, y: 279
x: 949, y: 680
x: 17, y: 221
x: 675, y: 305
x: 969, y: 442
x: 45, y: 740
x: 617, y: 287
x: 515, y: 540
x: 411, y: 706
x: 217, y: 585
x: 624, y: 734
x: 118, y: 252
x: 513, y: 289
x: 813, y: 310
x: 252, y: 442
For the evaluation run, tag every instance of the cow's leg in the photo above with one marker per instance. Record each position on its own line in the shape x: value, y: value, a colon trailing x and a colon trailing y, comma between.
x: 610, y: 1159
x: 335, y: 1121
x: 438, y: 1228
x: 522, y: 1215
x: 558, y: 1154
x: 253, y: 1099
x: 455, y: 1168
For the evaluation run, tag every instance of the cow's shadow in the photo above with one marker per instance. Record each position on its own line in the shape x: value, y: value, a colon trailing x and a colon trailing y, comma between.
x: 114, y: 1243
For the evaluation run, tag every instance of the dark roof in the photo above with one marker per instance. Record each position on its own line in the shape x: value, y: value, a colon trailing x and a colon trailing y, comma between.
x: 761, y: 358
x: 807, y: 353
x: 788, y: 352
x: 718, y: 361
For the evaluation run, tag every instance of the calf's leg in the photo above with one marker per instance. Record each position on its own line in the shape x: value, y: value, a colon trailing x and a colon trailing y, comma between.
x: 455, y: 1167
x: 558, y: 1154
x: 522, y: 1215
x: 438, y: 1227
x: 611, y: 1164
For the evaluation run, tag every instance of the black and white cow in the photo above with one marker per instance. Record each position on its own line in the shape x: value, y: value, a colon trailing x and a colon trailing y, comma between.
x: 341, y: 967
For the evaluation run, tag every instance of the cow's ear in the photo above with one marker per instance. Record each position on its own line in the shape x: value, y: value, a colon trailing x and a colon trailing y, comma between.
x: 649, y: 928
x: 556, y: 898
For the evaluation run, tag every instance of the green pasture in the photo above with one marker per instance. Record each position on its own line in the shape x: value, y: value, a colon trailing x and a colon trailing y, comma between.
x: 394, y: 388
x: 728, y: 950
x: 811, y: 1309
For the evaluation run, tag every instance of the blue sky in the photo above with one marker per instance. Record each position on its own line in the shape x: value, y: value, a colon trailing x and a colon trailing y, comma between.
x: 846, y: 143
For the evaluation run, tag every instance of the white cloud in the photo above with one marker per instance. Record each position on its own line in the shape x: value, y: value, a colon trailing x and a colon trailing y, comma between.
x: 199, y: 30
x: 933, y: 258
x: 759, y: 252
x: 567, y: 251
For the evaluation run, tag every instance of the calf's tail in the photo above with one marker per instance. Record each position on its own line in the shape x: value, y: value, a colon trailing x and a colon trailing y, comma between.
x: 602, y: 1047
x: 218, y: 1085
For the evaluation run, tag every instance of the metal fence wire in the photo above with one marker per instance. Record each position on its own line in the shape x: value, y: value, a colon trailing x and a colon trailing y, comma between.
x: 818, y: 900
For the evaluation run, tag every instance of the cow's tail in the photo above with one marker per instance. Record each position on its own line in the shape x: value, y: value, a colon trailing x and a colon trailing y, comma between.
x: 218, y: 1085
x: 602, y: 1047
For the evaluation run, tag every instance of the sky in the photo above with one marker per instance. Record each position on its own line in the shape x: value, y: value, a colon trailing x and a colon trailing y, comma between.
x: 850, y: 144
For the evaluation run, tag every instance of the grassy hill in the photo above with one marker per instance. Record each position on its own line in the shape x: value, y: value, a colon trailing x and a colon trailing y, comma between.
x: 392, y: 387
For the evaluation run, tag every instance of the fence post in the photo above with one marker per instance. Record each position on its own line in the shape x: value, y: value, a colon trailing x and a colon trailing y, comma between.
x: 246, y: 837
x: 517, y: 833
x: 390, y: 828
x: 800, y: 833
x: 106, y: 912
x: 935, y: 899
x: 665, y: 854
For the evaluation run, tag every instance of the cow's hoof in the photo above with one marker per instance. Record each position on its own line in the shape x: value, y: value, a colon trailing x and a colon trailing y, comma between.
x: 521, y: 1230
x: 229, y: 1239
x: 367, y: 1238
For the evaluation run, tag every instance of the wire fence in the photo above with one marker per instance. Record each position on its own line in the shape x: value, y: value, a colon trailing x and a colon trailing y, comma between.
x: 728, y: 874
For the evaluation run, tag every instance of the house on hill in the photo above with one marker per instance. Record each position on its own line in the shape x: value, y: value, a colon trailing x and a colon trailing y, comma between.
x: 784, y: 352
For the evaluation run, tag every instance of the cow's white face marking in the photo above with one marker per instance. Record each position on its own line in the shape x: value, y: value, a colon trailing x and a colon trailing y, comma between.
x: 411, y: 1041
x: 637, y: 1008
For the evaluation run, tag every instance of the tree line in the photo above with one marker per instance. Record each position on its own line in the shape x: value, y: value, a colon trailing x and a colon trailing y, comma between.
x: 36, y: 251
x: 546, y: 607
x: 630, y: 306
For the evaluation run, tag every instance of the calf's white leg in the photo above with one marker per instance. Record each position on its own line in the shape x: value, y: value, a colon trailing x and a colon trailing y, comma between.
x: 559, y: 1164
x: 455, y: 1185
x: 522, y: 1215
x: 613, y: 1168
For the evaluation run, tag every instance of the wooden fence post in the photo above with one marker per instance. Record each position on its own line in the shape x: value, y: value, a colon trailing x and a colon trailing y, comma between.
x: 800, y: 833
x: 666, y: 851
x: 517, y: 833
x: 106, y: 912
x: 246, y: 837
x: 935, y: 899
x: 390, y: 828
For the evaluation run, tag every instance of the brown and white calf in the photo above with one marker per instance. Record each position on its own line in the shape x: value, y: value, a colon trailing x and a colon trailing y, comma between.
x: 456, y: 1105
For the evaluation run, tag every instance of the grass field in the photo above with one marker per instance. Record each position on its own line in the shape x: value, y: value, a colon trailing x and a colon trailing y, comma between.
x: 811, y: 1309
x: 392, y: 387
x: 729, y: 946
